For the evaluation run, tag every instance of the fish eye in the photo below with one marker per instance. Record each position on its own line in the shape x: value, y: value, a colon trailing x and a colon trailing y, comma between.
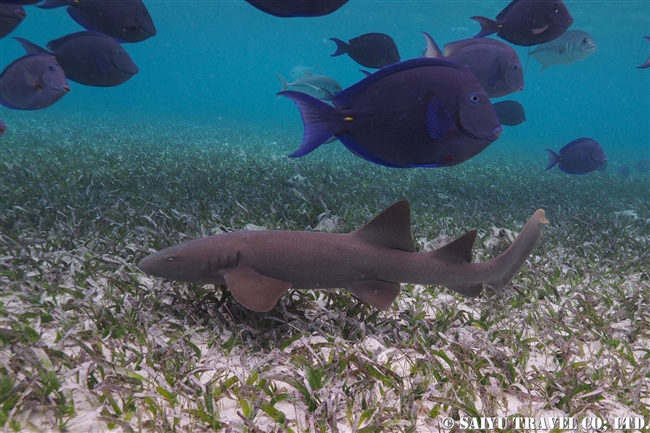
x: 119, y: 52
x: 474, y: 98
x: 515, y: 67
x: 584, y: 41
x: 52, y: 68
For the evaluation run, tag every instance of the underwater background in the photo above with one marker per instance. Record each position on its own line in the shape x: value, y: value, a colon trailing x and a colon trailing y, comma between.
x: 196, y: 144
x: 215, y: 62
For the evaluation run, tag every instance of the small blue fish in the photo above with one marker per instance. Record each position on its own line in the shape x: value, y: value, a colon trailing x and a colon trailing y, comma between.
x: 647, y: 62
x: 124, y: 20
x: 417, y: 113
x: 89, y: 58
x: 372, y: 50
x: 581, y: 156
x: 32, y: 82
x: 10, y: 16
x: 494, y: 63
x: 294, y: 8
x: 510, y: 113
x: 528, y: 22
x: 622, y: 170
x: 643, y: 166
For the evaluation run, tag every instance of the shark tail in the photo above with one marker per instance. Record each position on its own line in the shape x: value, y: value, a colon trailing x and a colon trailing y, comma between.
x: 514, y: 257
x: 321, y: 121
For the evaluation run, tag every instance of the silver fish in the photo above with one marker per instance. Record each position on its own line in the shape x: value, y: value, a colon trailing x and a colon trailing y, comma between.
x: 572, y: 46
x: 318, y: 86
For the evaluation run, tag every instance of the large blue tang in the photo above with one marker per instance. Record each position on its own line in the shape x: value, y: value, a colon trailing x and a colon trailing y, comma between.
x: 422, y: 112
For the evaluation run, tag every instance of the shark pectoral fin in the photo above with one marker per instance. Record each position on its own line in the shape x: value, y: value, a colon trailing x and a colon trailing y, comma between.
x: 379, y: 294
x: 254, y: 291
x: 469, y: 291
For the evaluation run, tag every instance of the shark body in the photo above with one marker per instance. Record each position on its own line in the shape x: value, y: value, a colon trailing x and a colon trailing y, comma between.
x: 259, y: 266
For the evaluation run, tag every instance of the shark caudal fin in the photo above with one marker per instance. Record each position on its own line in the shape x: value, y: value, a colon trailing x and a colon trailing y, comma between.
x: 509, y: 262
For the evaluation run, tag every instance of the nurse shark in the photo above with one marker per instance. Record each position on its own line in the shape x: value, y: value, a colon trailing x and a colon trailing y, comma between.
x: 259, y: 266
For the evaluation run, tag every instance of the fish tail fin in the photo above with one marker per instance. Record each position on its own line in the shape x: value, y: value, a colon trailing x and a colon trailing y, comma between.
x: 31, y: 47
x: 50, y: 4
x: 510, y: 261
x: 319, y: 120
x: 553, y: 159
x: 488, y: 26
x: 433, y: 50
x: 342, y: 47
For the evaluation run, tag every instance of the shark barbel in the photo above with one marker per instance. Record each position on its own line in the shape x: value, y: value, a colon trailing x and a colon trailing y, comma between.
x: 259, y: 266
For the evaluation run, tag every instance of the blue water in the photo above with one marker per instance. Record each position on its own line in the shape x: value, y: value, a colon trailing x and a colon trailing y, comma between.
x: 215, y: 61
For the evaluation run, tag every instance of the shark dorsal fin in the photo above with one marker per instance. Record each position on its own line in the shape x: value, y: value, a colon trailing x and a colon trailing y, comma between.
x: 459, y: 250
x: 390, y: 229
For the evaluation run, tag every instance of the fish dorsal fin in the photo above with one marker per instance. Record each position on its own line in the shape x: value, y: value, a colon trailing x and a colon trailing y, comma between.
x: 390, y: 229
x: 30, y: 47
x: 432, y: 48
x: 458, y: 250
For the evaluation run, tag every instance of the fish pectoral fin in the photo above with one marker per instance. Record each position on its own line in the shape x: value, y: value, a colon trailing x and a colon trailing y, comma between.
x: 540, y: 29
x: 103, y: 64
x: 469, y: 291
x: 495, y: 72
x: 439, y: 119
x: 254, y: 291
x: 30, y: 80
x: 379, y: 294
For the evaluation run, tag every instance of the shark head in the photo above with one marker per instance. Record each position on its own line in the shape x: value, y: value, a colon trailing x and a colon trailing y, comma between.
x: 185, y: 262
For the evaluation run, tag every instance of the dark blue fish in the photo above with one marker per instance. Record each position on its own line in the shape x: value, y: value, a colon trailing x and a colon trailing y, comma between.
x: 622, y: 170
x: 494, y: 63
x: 510, y: 113
x: 89, y: 58
x: 578, y: 157
x: 32, y: 82
x: 528, y: 22
x: 3, y: 128
x: 417, y: 113
x: 20, y: 2
x: 124, y: 20
x: 372, y: 50
x: 643, y: 166
x: 297, y: 8
x: 647, y: 62
x: 10, y: 16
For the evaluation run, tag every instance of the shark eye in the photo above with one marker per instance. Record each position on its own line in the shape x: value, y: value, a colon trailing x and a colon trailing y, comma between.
x: 474, y: 98
x: 171, y: 259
